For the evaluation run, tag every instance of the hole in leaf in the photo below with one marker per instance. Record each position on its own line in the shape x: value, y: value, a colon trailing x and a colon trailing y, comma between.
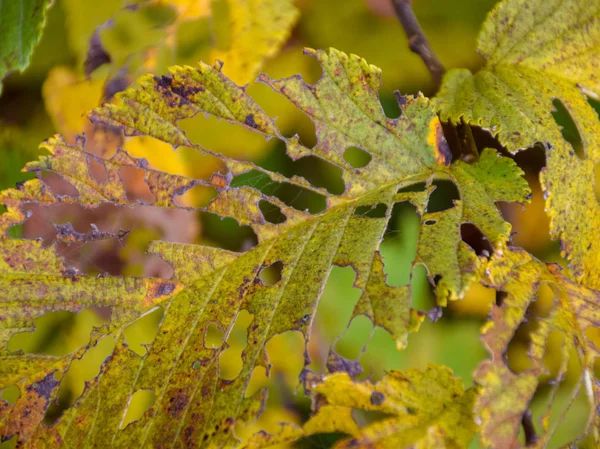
x: 80, y: 371
x: 443, y: 196
x: 139, y: 403
x: 230, y: 361
x: 290, y: 120
x: 320, y: 173
x: 500, y: 297
x: 271, y: 212
x: 355, y: 339
x: 418, y: 187
x: 59, y: 333
x: 241, y: 142
x: 93, y: 258
x: 569, y: 130
x: 258, y: 380
x: 214, y: 336
x: 197, y: 197
x: 430, y: 222
x: 10, y: 394
x: 366, y: 417
x: 593, y: 335
x: 59, y: 185
x: 544, y: 301
x: 184, y: 161
x: 357, y: 157
x: 399, y: 245
x: 517, y: 352
x: 140, y: 334
x: 476, y: 303
x: 226, y: 233
x: 317, y: 171
x: 390, y: 104
x: 272, y: 274
x: 516, y: 355
x: 375, y: 211
x: 285, y: 352
x: 10, y: 443
x: 292, y: 195
x: 473, y: 237
x: 553, y: 355
x: 333, y: 313
x: 320, y: 440
x: 421, y: 290
x: 136, y: 188
x: 97, y: 169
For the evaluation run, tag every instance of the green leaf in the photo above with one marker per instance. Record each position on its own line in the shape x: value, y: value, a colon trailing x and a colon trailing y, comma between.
x: 193, y: 406
x: 21, y: 24
x: 427, y: 409
x: 540, y: 52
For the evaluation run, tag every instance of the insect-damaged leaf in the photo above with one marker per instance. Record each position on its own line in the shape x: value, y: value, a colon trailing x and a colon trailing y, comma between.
x: 192, y: 405
x: 505, y: 395
x: 542, y: 54
x: 426, y: 409
x: 21, y: 23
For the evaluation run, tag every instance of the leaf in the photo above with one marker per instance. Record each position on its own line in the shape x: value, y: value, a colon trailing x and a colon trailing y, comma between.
x: 193, y: 406
x: 505, y: 395
x: 540, y: 52
x: 248, y: 33
x: 422, y: 409
x: 257, y: 30
x: 67, y: 99
x: 21, y: 24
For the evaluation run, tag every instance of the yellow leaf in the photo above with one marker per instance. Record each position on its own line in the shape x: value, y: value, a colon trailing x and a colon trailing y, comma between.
x: 68, y: 97
x: 426, y: 409
x: 542, y: 68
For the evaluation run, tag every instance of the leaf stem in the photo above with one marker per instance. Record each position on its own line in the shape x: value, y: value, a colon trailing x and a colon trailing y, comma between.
x: 417, y: 41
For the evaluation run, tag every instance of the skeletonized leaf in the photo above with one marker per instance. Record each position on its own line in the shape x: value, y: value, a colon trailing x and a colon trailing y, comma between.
x: 540, y: 54
x: 572, y: 312
x: 193, y: 405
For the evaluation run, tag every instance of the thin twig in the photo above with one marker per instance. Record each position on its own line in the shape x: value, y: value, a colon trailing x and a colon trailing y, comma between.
x: 417, y: 41
x: 531, y: 436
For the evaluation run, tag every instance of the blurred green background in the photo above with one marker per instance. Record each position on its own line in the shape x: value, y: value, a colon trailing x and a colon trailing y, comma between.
x: 53, y: 94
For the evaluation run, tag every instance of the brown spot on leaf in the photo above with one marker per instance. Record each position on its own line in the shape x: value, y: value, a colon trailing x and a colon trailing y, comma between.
x: 219, y: 181
x: 377, y: 398
x: 177, y: 403
x: 249, y: 120
x: 165, y: 289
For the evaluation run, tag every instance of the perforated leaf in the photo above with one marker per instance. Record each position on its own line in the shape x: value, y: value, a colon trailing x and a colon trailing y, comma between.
x: 193, y: 406
x: 541, y: 54
x: 427, y: 409
x: 563, y: 309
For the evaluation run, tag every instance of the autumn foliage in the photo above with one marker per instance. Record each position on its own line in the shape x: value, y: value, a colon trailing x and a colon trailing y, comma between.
x: 542, y: 58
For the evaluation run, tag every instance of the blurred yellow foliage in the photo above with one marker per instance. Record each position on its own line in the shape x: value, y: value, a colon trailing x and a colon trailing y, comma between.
x: 68, y: 97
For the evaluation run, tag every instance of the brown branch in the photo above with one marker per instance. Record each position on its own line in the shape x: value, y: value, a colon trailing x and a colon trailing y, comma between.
x: 417, y: 41
x: 531, y: 436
